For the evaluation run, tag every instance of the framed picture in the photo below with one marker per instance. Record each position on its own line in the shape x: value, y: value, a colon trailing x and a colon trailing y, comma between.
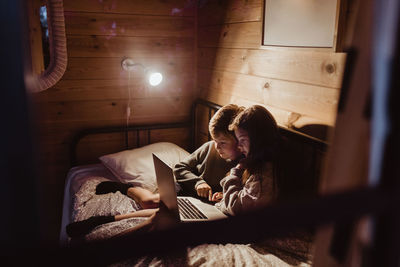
x: 300, y: 23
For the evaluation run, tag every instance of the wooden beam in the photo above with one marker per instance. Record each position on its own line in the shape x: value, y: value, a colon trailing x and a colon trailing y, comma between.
x: 111, y: 25
x: 235, y: 35
x: 110, y: 68
x: 148, y: 7
x: 314, y: 101
x: 116, y: 46
x: 317, y: 68
x: 220, y: 12
x: 142, y: 110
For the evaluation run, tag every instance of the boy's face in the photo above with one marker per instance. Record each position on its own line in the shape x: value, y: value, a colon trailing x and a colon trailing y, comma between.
x: 226, y: 146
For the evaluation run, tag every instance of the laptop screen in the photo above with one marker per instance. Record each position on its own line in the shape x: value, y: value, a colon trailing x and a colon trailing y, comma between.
x: 166, y: 184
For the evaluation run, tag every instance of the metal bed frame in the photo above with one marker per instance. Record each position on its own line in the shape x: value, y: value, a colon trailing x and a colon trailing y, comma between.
x: 116, y: 129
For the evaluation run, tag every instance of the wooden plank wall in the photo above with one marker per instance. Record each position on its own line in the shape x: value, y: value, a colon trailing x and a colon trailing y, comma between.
x: 94, y: 90
x: 299, y: 86
x: 219, y: 43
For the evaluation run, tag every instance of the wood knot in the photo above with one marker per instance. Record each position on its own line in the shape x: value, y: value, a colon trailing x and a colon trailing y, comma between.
x: 225, y: 34
x: 330, y: 68
x: 113, y: 104
x: 266, y: 85
x: 292, y: 118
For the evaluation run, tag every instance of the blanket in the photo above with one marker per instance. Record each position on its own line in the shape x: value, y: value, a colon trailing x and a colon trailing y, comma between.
x: 294, y: 250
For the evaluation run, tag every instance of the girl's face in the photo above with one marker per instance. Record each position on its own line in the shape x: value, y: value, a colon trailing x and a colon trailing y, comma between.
x: 243, y: 141
x: 226, y: 146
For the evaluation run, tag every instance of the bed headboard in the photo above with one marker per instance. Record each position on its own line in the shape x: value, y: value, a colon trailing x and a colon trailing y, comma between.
x: 88, y: 144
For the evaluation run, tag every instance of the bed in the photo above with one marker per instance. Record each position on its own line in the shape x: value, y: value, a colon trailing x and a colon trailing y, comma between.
x: 135, y: 166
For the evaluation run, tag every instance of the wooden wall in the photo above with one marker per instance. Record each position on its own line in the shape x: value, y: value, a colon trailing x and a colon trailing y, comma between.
x: 94, y: 90
x: 219, y: 43
x: 300, y: 86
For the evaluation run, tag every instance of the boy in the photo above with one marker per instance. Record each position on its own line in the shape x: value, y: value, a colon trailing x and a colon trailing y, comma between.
x: 200, y: 173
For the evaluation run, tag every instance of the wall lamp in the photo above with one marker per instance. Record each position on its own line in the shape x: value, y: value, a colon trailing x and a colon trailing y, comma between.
x: 154, y: 78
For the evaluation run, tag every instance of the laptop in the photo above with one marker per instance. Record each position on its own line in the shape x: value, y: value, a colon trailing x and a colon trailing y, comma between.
x: 188, y: 209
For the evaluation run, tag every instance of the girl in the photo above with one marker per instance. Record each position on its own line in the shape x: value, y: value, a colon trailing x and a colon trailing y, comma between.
x: 252, y: 183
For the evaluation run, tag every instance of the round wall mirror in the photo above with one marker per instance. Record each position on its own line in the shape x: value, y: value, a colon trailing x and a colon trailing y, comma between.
x: 47, y: 44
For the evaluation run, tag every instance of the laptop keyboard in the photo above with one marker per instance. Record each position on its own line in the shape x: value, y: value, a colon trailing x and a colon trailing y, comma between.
x: 188, y: 210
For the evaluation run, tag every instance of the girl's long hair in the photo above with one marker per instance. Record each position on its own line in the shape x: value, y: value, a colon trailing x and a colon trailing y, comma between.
x: 263, y: 133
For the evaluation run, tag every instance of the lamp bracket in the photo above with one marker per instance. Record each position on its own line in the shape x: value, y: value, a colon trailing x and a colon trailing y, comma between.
x: 128, y: 64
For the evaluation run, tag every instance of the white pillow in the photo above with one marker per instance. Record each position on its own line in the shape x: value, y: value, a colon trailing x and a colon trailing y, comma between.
x: 136, y: 166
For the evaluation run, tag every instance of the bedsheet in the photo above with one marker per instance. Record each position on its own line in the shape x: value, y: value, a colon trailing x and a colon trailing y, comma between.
x: 75, y: 178
x: 226, y: 255
x: 291, y: 251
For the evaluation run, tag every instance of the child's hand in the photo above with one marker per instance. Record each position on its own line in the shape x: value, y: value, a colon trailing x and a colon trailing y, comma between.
x: 216, y: 197
x: 204, y: 190
x: 241, y: 164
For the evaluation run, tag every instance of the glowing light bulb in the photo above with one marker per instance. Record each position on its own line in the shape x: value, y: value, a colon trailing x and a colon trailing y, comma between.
x: 155, y: 78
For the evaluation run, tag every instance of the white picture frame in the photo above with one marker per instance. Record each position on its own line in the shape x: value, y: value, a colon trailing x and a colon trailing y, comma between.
x: 300, y: 23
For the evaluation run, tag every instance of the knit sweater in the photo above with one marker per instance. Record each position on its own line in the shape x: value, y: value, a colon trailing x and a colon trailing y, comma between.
x: 258, y: 191
x: 203, y: 165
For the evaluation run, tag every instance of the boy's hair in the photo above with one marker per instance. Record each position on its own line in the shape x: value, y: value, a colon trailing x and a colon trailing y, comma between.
x: 263, y: 133
x: 219, y: 123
